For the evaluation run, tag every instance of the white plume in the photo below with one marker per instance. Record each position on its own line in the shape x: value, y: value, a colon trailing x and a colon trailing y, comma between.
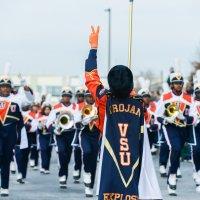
x: 48, y: 99
x: 22, y: 79
x: 7, y: 69
x: 196, y: 77
x: 144, y: 83
x: 37, y: 97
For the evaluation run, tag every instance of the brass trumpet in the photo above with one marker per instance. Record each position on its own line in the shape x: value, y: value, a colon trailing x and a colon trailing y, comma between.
x: 86, y: 110
x: 89, y: 113
x: 173, y: 111
x: 64, y: 122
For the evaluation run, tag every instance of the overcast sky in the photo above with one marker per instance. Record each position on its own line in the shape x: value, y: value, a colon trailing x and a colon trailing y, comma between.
x: 51, y: 36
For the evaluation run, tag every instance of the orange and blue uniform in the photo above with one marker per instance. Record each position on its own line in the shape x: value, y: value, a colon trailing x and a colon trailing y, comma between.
x: 95, y: 87
x: 122, y: 138
x: 178, y: 132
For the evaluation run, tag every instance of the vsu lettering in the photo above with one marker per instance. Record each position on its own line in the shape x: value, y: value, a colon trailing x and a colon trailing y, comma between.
x: 125, y: 155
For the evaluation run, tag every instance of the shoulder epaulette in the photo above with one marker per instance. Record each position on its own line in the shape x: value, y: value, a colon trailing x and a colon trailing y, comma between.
x: 81, y: 105
x: 167, y: 96
x: 187, y: 97
x: 32, y: 114
x: 58, y: 105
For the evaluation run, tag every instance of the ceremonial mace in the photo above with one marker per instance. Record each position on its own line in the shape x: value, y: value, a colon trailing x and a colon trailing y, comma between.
x: 130, y: 34
x: 109, y: 37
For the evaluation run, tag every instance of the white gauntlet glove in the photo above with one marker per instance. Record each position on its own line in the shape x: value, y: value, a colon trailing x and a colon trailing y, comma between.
x: 57, y: 131
x: 86, y: 120
x: 180, y: 116
x: 148, y: 125
x: 169, y: 120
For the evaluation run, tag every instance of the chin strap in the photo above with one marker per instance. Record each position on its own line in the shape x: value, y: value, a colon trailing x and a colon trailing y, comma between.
x: 177, y: 93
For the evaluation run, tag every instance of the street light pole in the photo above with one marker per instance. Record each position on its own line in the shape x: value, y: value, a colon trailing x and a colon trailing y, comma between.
x: 109, y: 37
x: 130, y: 37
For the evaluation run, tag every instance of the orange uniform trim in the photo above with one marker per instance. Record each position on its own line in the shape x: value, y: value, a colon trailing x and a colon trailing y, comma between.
x: 4, y: 110
x: 147, y: 114
x: 58, y: 105
x: 182, y: 106
x: 152, y: 106
x: 32, y: 114
x: 167, y: 96
x: 92, y: 82
x: 147, y: 117
x: 187, y: 97
x: 81, y: 105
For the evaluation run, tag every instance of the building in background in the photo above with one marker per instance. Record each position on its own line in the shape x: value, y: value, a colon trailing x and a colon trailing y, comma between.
x: 51, y: 85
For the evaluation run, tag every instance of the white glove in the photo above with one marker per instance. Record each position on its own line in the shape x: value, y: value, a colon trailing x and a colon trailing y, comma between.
x: 165, y: 122
x: 180, y: 116
x: 169, y: 120
x: 148, y: 125
x: 23, y: 82
x: 40, y: 126
x: 57, y: 131
x: 86, y: 120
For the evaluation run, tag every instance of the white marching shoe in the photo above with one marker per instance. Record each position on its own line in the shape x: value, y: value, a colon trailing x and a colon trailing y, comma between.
x: 76, y: 176
x: 46, y: 172
x: 153, y: 150
x: 197, y: 181
x: 42, y: 171
x: 172, y: 185
x: 4, y: 192
x: 162, y: 170
x: 195, y: 175
x: 63, y: 182
x: 198, y: 189
x: 178, y: 173
x: 87, y: 179
x: 20, y: 178
x: 35, y: 168
x: 32, y: 163
x: 12, y: 167
x: 88, y: 192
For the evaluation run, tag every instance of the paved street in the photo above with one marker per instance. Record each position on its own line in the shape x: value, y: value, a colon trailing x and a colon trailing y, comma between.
x: 45, y: 187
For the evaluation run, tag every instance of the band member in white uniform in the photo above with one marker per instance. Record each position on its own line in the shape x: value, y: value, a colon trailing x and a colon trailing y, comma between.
x: 173, y: 113
x: 61, y: 121
x: 45, y: 138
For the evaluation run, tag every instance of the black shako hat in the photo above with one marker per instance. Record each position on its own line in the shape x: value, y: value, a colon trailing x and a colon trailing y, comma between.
x: 5, y: 81
x: 120, y: 80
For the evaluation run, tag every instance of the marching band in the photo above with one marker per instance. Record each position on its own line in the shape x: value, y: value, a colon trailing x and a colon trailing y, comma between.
x: 30, y: 131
